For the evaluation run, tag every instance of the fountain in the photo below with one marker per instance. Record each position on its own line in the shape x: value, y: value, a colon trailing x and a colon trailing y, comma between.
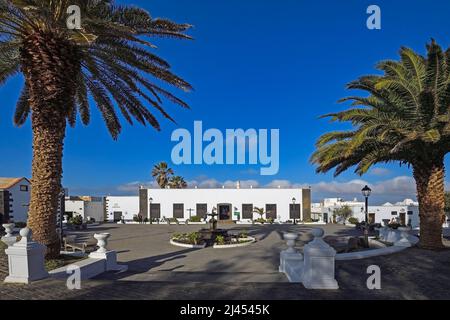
x: 209, y: 235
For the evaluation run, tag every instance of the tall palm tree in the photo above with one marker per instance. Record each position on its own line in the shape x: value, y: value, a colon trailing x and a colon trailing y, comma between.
x: 108, y: 59
x: 405, y: 118
x: 161, y: 172
x: 177, y: 182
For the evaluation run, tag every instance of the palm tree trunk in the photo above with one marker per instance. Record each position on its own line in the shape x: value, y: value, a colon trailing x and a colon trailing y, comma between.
x: 430, y: 193
x: 48, y: 67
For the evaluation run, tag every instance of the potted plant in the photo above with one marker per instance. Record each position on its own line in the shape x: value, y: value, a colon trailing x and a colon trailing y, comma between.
x: 261, y: 212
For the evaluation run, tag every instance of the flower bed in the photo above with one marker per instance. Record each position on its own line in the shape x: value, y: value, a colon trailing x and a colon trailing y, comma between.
x: 235, y: 243
x: 188, y: 240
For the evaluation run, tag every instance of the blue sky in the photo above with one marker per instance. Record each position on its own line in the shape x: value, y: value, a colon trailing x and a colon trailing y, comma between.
x: 253, y: 64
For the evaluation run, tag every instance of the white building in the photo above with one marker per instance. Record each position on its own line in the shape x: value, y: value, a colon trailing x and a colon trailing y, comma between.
x: 86, y: 206
x: 121, y: 207
x: 406, y: 211
x: 14, y: 199
x: 231, y: 204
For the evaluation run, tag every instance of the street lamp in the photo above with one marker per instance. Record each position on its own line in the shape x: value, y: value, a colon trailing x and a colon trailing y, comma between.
x: 293, y: 208
x: 366, y: 191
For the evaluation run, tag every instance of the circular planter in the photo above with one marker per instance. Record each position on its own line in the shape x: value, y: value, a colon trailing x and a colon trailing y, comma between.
x: 185, y: 245
x: 235, y: 245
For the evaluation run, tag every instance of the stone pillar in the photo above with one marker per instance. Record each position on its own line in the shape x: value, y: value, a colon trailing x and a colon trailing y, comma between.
x: 291, y: 261
x: 110, y: 256
x: 319, y: 260
x: 26, y: 260
x: 9, y: 239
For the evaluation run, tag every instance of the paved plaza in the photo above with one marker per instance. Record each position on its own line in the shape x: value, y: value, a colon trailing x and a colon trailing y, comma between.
x: 158, y: 270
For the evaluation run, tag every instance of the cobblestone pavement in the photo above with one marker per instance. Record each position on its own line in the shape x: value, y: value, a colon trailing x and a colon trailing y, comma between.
x: 412, y: 274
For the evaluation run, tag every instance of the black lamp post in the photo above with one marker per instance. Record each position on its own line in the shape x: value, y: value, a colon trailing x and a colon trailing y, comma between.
x: 293, y: 208
x: 366, y: 191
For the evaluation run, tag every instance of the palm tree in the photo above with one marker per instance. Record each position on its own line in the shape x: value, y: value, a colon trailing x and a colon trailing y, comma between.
x: 109, y: 59
x: 177, y: 182
x: 259, y: 211
x: 405, y: 118
x: 161, y: 172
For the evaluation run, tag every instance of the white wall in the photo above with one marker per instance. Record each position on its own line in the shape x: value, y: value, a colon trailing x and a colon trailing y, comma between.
x: 385, y: 212
x: 75, y: 206
x: 20, y: 201
x: 95, y: 210
x: 129, y: 206
x: 236, y: 197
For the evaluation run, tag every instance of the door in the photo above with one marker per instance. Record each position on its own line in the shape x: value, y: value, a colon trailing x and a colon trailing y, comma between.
x: 325, y: 217
x: 117, y: 216
x: 403, y: 218
x: 294, y: 211
x: 155, y: 211
x: 225, y: 212
x: 371, y: 218
x: 271, y: 211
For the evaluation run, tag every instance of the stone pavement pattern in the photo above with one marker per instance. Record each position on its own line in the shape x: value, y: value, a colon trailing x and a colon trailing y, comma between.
x: 161, y: 271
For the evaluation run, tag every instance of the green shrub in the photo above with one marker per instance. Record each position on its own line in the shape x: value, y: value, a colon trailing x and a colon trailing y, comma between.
x: 194, y: 238
x: 307, y: 220
x: 173, y: 220
x: 220, y: 240
x: 353, y: 220
x: 77, y: 220
x: 270, y: 220
x: 195, y: 219
x: 260, y: 220
x: 243, y: 234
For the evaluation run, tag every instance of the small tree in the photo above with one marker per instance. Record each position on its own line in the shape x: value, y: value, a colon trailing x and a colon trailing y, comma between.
x: 344, y: 212
x: 259, y: 211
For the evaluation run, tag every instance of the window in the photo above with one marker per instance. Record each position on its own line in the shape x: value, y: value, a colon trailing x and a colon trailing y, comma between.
x: 394, y: 213
x: 178, y: 210
x: 247, y: 211
x: 155, y: 211
x: 294, y: 211
x: 410, y: 213
x: 271, y: 211
x: 23, y: 188
x: 202, y: 209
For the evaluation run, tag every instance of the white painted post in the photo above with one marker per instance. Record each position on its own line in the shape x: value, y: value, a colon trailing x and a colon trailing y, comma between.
x: 291, y: 261
x: 319, y: 264
x: 110, y: 256
x: 26, y: 260
x: 9, y: 239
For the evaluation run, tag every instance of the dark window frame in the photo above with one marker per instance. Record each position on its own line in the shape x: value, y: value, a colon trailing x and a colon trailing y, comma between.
x: 176, y: 211
x: 202, y: 212
x: 23, y: 188
x: 269, y: 213
x: 394, y: 213
x: 246, y: 211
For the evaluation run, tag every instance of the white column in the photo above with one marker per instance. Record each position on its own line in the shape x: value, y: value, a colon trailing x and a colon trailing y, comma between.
x: 110, y: 256
x: 26, y: 260
x: 319, y: 264
x: 291, y: 261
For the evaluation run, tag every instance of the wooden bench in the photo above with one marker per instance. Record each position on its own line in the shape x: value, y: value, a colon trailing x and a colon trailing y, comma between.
x: 70, y: 242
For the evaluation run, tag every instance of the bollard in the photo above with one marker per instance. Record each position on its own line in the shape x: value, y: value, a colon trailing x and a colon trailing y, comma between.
x: 319, y: 263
